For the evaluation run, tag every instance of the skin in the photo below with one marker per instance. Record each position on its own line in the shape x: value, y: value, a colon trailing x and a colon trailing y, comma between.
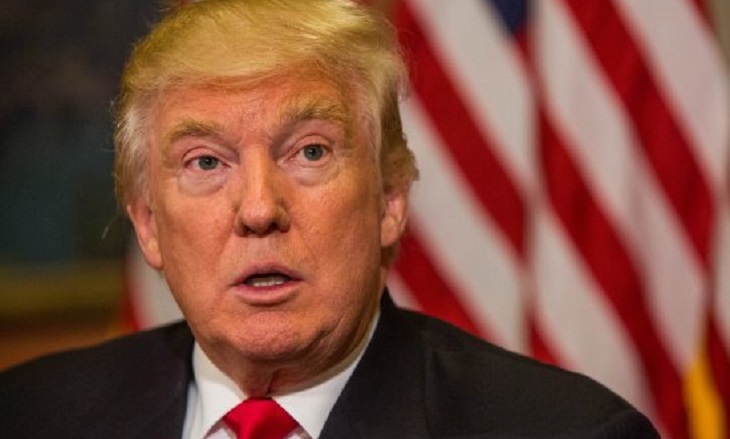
x: 278, y: 179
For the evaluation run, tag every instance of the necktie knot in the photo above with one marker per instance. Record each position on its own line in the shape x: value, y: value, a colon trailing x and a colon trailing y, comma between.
x: 259, y: 418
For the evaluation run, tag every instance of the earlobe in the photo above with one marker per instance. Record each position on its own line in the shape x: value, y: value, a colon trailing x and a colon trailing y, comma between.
x: 145, y: 228
x: 393, y: 221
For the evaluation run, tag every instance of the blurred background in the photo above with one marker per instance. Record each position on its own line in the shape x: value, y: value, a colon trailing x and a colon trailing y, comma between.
x: 62, y: 241
x: 573, y: 205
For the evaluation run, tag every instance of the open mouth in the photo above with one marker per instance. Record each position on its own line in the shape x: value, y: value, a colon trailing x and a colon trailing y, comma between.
x: 264, y: 280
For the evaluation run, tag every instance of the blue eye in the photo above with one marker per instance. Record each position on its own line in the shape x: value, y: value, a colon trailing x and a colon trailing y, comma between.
x: 313, y: 153
x: 207, y: 163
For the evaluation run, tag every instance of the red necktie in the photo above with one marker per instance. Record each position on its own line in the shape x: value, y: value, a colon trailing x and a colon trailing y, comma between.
x: 260, y: 418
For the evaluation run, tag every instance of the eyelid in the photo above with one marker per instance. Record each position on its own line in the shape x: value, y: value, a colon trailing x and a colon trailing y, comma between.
x: 190, y: 157
x: 198, y: 152
x: 325, y: 130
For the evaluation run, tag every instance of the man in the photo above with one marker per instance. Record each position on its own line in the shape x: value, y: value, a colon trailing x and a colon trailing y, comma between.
x: 261, y: 159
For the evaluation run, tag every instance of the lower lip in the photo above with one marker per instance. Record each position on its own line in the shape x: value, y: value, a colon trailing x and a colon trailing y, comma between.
x: 267, y: 296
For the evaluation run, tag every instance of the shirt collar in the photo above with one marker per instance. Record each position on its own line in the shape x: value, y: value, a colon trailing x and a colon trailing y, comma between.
x: 217, y: 394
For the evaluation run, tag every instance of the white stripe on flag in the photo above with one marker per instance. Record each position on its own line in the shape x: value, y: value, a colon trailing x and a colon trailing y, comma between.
x: 600, y: 138
x: 460, y: 239
x: 684, y: 56
x: 488, y: 73
x: 567, y: 303
x: 402, y: 295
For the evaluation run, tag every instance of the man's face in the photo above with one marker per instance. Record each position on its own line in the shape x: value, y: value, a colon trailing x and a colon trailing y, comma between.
x: 268, y: 221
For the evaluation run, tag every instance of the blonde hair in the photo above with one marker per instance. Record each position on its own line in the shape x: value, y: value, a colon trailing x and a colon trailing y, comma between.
x: 219, y: 42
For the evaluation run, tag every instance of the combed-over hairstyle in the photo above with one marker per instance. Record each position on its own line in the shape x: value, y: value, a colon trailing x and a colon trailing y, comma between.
x: 240, y: 42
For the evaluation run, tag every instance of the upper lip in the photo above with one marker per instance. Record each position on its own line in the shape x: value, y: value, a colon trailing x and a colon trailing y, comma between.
x: 268, y: 268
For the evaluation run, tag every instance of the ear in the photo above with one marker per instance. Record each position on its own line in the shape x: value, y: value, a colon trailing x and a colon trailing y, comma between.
x: 143, y: 219
x: 393, y: 221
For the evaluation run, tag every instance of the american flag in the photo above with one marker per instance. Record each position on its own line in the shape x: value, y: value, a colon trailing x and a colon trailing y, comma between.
x: 574, y: 199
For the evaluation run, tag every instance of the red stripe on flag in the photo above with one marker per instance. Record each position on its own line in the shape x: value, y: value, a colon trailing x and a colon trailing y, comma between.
x: 605, y: 256
x: 720, y: 366
x: 539, y: 347
x: 489, y: 181
x: 434, y: 296
x: 663, y: 142
x: 702, y: 9
x: 129, y: 310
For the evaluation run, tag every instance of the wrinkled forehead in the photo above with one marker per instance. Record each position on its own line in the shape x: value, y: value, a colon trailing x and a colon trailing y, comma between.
x: 284, y: 99
x: 297, y: 94
x: 278, y: 104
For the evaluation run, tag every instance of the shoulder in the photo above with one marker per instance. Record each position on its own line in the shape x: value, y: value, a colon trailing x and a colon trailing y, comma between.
x: 473, y: 385
x: 118, y: 356
x: 66, y: 387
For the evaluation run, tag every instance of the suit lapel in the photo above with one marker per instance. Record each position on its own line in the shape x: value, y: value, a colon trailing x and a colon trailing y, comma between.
x: 384, y: 398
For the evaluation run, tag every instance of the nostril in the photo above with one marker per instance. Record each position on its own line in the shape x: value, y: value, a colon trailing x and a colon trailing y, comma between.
x: 250, y: 229
x: 262, y: 220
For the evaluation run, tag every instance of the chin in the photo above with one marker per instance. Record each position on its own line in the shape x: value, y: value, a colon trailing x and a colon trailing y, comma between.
x: 271, y: 342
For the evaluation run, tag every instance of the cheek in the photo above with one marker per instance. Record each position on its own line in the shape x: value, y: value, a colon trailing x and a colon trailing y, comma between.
x: 347, y: 230
x: 191, y: 249
x: 190, y: 236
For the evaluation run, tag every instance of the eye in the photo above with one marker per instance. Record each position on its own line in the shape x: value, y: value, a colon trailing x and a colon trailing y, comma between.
x: 313, y: 152
x: 207, y: 162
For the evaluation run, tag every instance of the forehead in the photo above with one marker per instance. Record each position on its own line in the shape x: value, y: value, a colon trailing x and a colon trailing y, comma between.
x: 273, y: 102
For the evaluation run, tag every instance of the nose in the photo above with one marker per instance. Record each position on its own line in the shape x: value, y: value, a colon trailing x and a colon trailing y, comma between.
x: 261, y: 207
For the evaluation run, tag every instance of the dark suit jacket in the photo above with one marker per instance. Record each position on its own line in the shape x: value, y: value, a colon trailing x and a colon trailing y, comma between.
x: 419, y: 378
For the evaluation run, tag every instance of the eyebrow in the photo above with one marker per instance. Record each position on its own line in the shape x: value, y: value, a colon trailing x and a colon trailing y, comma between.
x: 191, y: 128
x: 316, y: 109
x: 294, y: 112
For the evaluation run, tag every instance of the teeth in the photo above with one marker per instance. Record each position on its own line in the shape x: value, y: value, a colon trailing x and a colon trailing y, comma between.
x: 262, y: 281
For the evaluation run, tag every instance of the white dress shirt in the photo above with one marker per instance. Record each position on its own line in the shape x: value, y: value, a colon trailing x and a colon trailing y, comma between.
x: 212, y: 394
